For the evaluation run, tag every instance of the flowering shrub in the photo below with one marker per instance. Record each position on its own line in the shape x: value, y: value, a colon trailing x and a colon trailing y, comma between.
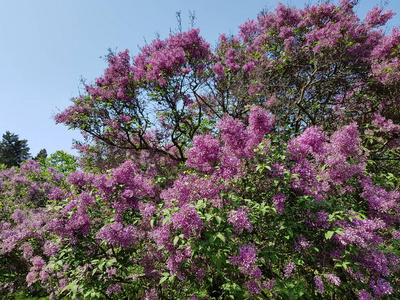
x: 25, y: 192
x: 267, y: 172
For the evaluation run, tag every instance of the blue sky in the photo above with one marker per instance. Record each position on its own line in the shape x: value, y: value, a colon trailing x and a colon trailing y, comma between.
x: 48, y: 45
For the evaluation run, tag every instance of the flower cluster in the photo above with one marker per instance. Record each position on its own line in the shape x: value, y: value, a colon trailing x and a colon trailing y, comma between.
x: 239, y: 220
x: 187, y: 220
x: 118, y: 235
x: 246, y: 261
x: 319, y: 284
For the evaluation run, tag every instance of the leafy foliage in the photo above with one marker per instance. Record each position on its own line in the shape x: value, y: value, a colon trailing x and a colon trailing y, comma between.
x: 61, y: 161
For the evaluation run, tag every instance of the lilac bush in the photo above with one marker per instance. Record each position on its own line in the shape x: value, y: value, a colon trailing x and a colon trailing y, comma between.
x: 260, y: 229
x: 25, y: 193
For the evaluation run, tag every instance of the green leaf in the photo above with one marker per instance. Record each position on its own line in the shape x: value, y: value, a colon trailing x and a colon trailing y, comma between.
x: 212, y: 239
x: 163, y: 279
x: 329, y: 234
x: 165, y: 221
x: 339, y: 232
x: 218, y: 263
x: 221, y: 237
x: 208, y: 217
x: 176, y: 239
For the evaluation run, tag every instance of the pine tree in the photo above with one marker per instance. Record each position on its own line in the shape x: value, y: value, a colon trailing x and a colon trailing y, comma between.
x: 13, y: 151
x: 41, y: 155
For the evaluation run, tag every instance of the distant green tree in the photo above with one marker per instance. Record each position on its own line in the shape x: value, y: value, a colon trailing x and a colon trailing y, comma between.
x: 62, y: 161
x: 41, y: 155
x: 13, y: 151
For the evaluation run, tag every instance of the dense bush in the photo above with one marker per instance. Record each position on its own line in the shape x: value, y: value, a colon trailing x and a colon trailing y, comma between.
x: 265, y: 167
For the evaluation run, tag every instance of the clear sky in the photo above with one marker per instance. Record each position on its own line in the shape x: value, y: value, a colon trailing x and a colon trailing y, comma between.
x: 48, y: 45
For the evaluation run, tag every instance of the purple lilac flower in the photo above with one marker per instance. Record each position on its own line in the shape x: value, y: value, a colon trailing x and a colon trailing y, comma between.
x: 245, y: 260
x: 253, y: 287
x: 302, y: 243
x: 44, y: 276
x: 319, y: 284
x: 218, y: 69
x: 269, y: 284
x: 62, y: 283
x: 147, y: 209
x: 27, y: 249
x: 361, y: 233
x: 311, y: 141
x: 239, y: 220
x: 161, y: 236
x: 189, y: 188
x: 356, y: 275
x: 117, y: 235
x: 175, y: 262
x: 261, y: 122
x: 113, y: 288
x: 232, y: 133
x: 333, y: 278
x: 50, y: 248
x: 187, y: 219
x: 19, y: 216
x: 279, y: 201
x: 151, y: 294
x: 38, y: 262
x: 375, y: 261
x: 31, y: 278
x: 375, y: 17
x: 319, y: 219
x: 111, y: 271
x: 381, y: 288
x: 363, y: 295
x: 204, y: 153
x: 289, y: 269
